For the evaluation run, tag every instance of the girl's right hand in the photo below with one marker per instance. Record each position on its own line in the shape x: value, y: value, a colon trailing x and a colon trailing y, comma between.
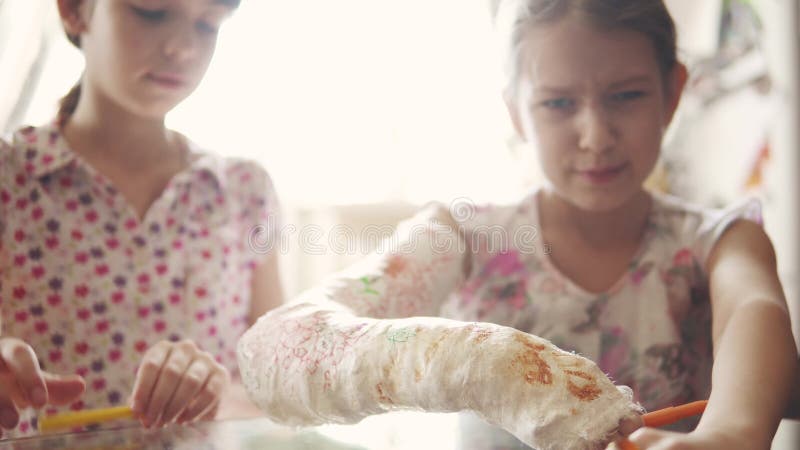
x: 24, y: 384
x: 652, y: 438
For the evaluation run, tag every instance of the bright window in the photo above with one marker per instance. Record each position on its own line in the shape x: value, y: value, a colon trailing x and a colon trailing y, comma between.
x: 358, y: 100
x: 354, y: 101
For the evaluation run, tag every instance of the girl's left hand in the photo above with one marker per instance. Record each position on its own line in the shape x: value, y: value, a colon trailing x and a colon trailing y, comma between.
x: 177, y: 382
x: 654, y: 439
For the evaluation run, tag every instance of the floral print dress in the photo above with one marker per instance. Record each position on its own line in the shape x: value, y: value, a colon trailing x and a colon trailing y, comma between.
x: 91, y: 286
x: 650, y: 331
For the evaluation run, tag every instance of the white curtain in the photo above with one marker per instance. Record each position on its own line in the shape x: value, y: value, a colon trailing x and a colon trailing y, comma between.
x: 22, y: 42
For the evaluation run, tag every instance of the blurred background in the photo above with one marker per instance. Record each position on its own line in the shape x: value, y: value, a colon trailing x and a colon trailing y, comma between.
x: 363, y: 110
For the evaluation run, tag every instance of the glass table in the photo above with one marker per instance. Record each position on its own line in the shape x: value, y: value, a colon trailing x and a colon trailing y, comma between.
x: 396, y: 431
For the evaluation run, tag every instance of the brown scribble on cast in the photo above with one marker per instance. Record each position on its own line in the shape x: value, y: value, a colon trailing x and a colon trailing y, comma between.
x: 435, y: 346
x: 588, y: 391
x: 535, y: 369
x: 382, y: 395
x: 480, y: 334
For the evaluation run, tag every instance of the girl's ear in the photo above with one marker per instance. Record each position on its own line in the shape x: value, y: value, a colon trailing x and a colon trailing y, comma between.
x: 675, y: 84
x: 73, y: 16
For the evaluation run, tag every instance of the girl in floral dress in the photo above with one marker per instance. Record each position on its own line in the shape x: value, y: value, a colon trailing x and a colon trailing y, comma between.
x: 664, y: 297
x: 127, y: 272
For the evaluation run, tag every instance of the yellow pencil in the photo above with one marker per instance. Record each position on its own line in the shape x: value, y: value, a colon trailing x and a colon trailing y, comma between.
x: 81, y: 418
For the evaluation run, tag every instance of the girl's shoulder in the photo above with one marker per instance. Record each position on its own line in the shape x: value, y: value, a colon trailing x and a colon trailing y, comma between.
x: 33, y: 136
x: 13, y: 142
x: 506, y: 215
x: 27, y: 150
x: 6, y: 152
x: 244, y: 183
x: 236, y: 174
x: 469, y: 215
x: 688, y: 217
x: 696, y: 226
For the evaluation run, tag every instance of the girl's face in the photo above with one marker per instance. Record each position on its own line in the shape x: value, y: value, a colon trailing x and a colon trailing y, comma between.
x: 148, y: 55
x: 595, y: 105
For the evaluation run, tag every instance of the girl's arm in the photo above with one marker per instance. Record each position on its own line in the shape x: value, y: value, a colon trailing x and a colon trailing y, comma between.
x: 346, y: 350
x: 755, y: 355
x: 266, y: 289
x: 793, y: 411
x: 755, y: 358
x: 266, y: 295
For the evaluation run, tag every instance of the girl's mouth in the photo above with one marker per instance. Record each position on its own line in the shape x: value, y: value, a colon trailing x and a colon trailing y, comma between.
x: 602, y: 175
x: 166, y: 80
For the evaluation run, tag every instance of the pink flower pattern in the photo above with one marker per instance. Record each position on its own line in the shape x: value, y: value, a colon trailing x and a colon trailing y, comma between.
x: 650, y: 332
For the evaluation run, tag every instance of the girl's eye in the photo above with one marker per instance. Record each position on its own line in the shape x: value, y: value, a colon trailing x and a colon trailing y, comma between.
x: 627, y: 95
x: 558, y: 103
x: 208, y: 28
x: 152, y: 15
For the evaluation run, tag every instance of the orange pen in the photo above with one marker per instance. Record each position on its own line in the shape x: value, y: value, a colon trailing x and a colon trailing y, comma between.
x: 673, y: 414
x: 667, y: 416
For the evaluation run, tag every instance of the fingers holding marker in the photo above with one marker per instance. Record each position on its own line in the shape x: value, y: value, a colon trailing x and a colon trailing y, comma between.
x: 193, y: 379
x: 177, y: 382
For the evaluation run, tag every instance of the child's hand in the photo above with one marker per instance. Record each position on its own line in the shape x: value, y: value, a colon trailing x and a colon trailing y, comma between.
x: 654, y: 439
x: 24, y: 384
x: 177, y: 382
x: 628, y: 426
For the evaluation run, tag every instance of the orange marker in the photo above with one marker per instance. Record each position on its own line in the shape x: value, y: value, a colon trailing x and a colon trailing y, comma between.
x: 667, y: 416
x: 673, y: 414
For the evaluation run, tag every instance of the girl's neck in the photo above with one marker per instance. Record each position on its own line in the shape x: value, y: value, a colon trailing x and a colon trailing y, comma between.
x: 100, y: 128
x: 623, y: 225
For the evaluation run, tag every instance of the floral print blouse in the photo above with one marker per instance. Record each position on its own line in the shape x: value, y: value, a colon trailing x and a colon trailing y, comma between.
x: 91, y: 286
x: 650, y: 331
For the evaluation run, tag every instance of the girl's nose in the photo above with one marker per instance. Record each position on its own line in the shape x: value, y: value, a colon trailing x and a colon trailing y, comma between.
x: 595, y: 130
x: 182, y: 43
